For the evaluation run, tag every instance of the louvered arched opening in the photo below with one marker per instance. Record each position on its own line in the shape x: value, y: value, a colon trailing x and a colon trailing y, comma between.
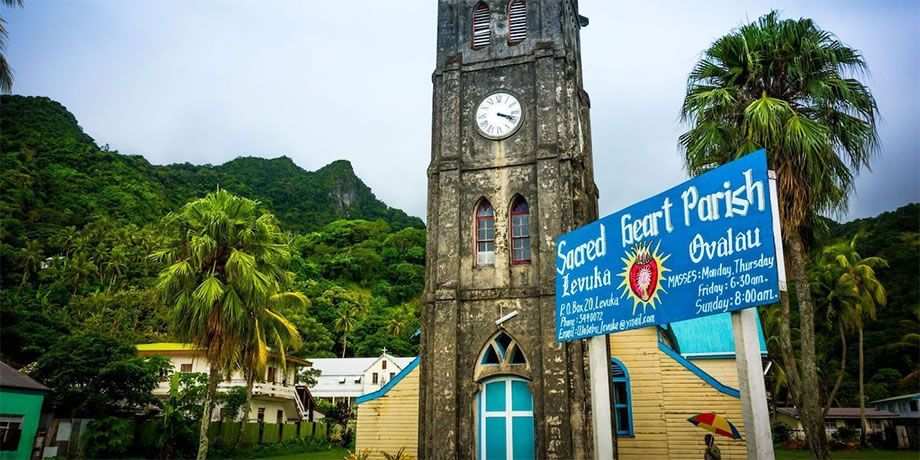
x: 485, y: 233
x: 482, y: 26
x: 517, y: 21
x: 520, y: 231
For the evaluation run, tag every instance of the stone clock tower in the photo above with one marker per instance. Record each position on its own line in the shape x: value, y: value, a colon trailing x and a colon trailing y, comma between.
x: 511, y: 168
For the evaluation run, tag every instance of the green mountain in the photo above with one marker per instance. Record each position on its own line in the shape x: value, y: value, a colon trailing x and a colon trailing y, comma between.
x: 54, y: 175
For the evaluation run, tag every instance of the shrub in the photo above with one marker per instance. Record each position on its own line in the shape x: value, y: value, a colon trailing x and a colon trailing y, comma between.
x: 781, y: 433
x: 108, y: 437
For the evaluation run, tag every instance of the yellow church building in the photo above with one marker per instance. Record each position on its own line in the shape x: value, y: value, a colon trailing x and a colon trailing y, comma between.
x: 661, y: 377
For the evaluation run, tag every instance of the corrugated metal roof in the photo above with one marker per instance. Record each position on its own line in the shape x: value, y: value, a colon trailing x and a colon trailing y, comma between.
x: 11, y: 378
x: 351, y: 366
x: 842, y: 413
x: 709, y: 336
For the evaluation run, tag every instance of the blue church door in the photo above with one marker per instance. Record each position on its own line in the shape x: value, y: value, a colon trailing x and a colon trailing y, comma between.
x: 505, y: 421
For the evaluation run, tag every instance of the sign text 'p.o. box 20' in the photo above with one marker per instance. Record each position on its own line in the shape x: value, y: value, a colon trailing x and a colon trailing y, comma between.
x: 701, y: 248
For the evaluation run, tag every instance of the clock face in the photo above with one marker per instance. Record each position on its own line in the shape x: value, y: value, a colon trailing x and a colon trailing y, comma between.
x: 499, y: 115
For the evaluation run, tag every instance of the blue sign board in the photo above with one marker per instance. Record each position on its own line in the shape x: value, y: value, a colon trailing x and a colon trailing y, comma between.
x: 701, y: 248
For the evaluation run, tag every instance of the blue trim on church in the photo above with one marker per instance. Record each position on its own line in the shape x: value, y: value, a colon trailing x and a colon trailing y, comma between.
x: 719, y: 386
x: 392, y: 383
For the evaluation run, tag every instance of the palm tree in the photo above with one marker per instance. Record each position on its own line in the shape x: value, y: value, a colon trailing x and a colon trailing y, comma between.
x: 6, y: 73
x: 31, y: 259
x: 862, y: 294
x: 345, y: 321
x: 787, y: 86
x: 270, y: 330
x: 225, y: 260
x: 834, y: 296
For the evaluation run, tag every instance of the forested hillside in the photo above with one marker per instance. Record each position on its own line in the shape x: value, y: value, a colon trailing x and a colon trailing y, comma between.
x: 78, y: 222
x: 54, y: 175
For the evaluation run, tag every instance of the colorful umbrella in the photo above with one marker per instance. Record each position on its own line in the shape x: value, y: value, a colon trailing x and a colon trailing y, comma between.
x: 716, y: 424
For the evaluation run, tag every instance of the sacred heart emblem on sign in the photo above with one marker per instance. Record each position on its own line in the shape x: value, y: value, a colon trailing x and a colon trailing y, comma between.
x: 643, y: 268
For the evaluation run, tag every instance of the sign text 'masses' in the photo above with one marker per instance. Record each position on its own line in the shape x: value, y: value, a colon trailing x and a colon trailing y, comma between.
x: 701, y: 248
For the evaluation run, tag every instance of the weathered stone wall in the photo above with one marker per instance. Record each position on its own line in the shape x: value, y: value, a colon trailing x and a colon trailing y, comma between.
x: 548, y: 162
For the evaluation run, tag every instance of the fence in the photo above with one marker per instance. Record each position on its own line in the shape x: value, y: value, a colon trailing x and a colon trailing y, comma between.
x: 225, y: 434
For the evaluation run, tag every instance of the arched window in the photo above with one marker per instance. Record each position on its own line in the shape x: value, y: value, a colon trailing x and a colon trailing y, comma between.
x: 502, y: 349
x: 622, y: 398
x: 482, y: 25
x: 520, y: 231
x: 504, y: 425
x: 517, y: 21
x: 485, y: 234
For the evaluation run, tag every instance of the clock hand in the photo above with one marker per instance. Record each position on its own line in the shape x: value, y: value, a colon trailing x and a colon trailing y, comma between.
x: 505, y: 116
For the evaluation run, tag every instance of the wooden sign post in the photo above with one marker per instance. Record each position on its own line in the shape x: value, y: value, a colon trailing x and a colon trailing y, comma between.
x: 747, y: 357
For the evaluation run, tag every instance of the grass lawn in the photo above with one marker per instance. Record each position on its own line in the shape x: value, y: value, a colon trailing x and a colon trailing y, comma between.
x: 868, y: 454
x: 331, y: 454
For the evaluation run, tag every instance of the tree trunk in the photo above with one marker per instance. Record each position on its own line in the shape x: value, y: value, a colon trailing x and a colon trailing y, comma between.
x: 862, y: 393
x: 808, y: 401
x: 843, y: 366
x: 247, y: 407
x: 344, y: 344
x: 213, y: 380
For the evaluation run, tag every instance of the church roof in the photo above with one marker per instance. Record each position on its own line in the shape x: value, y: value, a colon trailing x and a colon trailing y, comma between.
x: 352, y: 366
x: 709, y: 336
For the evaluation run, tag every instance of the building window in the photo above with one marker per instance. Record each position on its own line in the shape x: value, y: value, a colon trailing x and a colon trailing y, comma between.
x: 374, y: 378
x: 505, y: 428
x: 383, y: 364
x: 10, y: 432
x: 261, y: 415
x: 482, y: 25
x: 485, y: 234
x: 622, y: 398
x: 517, y: 21
x: 271, y: 374
x: 520, y: 231
x: 502, y: 349
x: 185, y: 368
x: 279, y: 416
x: 913, y: 406
x: 392, y: 374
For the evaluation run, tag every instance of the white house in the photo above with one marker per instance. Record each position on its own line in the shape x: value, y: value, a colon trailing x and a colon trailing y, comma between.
x: 348, y: 378
x: 275, y: 400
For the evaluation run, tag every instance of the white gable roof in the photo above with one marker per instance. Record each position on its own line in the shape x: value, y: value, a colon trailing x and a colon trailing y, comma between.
x: 344, y: 377
x: 352, y: 366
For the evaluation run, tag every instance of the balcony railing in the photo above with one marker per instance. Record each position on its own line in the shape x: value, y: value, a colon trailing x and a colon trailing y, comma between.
x: 272, y: 390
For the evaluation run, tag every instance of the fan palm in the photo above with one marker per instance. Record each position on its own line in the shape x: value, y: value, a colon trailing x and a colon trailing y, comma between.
x: 6, y: 73
x: 787, y: 86
x: 226, y: 260
x: 861, y: 295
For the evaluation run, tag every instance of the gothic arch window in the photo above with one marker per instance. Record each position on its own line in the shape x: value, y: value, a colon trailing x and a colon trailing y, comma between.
x: 482, y: 25
x: 485, y: 233
x: 502, y: 350
x: 520, y: 231
x: 504, y: 422
x: 517, y: 21
x: 622, y: 398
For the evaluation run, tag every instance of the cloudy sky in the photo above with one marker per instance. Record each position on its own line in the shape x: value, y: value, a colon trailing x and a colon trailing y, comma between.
x: 206, y: 81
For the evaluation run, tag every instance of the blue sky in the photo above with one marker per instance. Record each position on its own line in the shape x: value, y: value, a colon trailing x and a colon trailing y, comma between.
x: 206, y: 81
